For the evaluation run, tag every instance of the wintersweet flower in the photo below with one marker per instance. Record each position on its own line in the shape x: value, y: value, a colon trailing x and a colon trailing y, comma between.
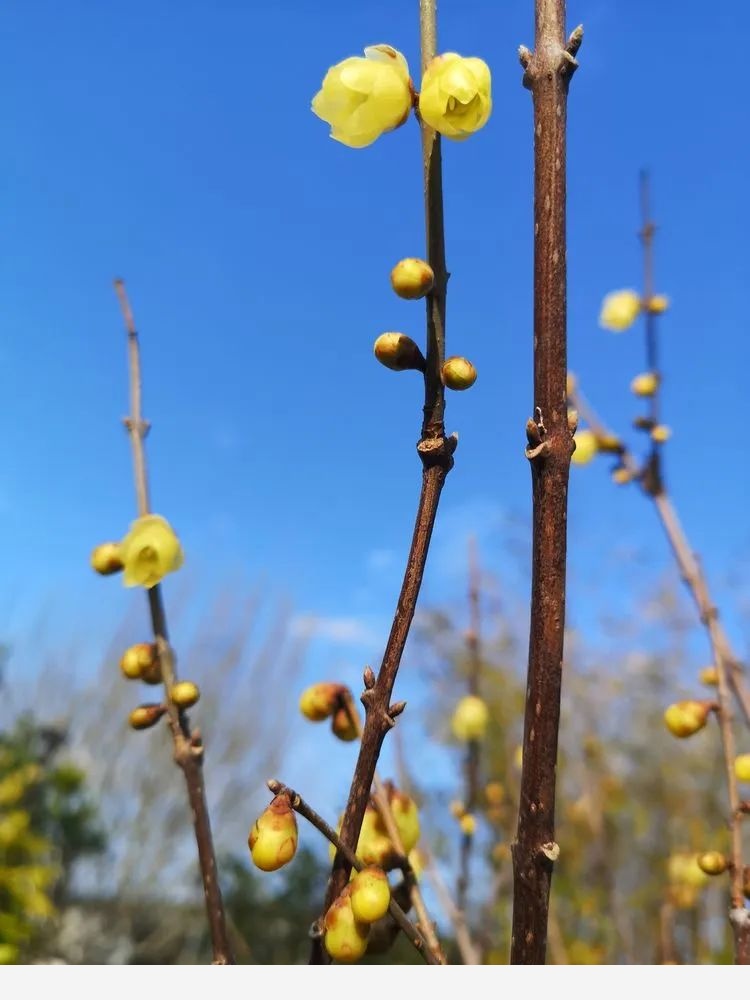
x: 455, y: 98
x: 620, y: 310
x: 149, y: 551
x: 361, y: 98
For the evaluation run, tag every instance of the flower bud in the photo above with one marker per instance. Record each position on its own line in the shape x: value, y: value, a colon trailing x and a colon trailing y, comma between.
x: 470, y: 718
x: 645, y: 384
x: 712, y: 863
x: 319, y: 701
x: 742, y: 767
x: 657, y: 304
x: 468, y: 825
x: 494, y: 793
x: 185, y: 694
x: 138, y: 659
x: 345, y: 937
x: 685, y: 718
x: 398, y: 352
x: 406, y: 817
x: 412, y: 278
x: 105, y: 558
x: 145, y: 716
x: 370, y: 895
x: 458, y: 374
x: 709, y: 676
x: 455, y: 96
x: 343, y: 726
x: 273, y: 838
x: 660, y: 433
x: 620, y: 310
x: 586, y: 447
x: 374, y: 846
x: 621, y: 475
x: 457, y: 809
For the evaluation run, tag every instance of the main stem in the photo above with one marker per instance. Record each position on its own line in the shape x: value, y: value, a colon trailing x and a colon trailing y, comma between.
x: 436, y: 453
x: 188, y: 748
x: 547, y: 75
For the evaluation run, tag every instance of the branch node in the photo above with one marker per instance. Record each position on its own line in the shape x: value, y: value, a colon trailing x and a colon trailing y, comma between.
x: 438, y: 451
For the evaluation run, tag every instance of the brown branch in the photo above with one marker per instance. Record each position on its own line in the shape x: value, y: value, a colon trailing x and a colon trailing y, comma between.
x: 471, y: 763
x: 436, y: 454
x: 547, y: 74
x: 188, y: 747
x: 414, y: 934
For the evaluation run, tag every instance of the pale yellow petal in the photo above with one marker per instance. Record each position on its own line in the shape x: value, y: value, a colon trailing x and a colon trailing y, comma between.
x: 394, y: 58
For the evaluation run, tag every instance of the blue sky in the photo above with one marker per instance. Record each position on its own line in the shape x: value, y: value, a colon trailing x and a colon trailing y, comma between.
x: 173, y: 145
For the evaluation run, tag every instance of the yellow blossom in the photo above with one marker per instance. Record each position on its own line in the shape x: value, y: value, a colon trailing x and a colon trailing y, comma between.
x: 620, y: 310
x: 455, y: 98
x: 587, y: 446
x: 149, y: 551
x: 645, y: 384
x: 361, y: 98
x: 661, y: 433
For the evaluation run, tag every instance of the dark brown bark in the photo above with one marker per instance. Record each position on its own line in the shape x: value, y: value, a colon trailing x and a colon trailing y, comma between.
x: 547, y: 75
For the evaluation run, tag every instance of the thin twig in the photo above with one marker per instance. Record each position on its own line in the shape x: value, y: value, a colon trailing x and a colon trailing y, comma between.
x: 436, y: 454
x: 547, y: 74
x: 188, y: 747
x: 414, y: 934
x: 471, y: 763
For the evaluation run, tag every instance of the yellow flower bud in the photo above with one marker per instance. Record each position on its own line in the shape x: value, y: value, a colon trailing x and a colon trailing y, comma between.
x: 149, y: 551
x: 455, y: 98
x: 345, y: 937
x: 712, y: 863
x: 370, y: 895
x: 458, y: 374
x: 139, y: 659
x: 374, y: 846
x: 609, y: 444
x: 412, y: 278
x: 621, y: 475
x: 685, y: 718
x: 587, y: 446
x: 106, y: 558
x: 319, y: 701
x: 709, y: 676
x: 273, y: 838
x: 185, y: 694
x: 620, y: 310
x: 145, y: 716
x: 645, y: 384
x: 398, y: 352
x: 470, y: 718
x: 660, y: 433
x: 742, y: 767
x: 457, y: 808
x: 406, y: 816
x: 343, y: 726
x: 494, y: 793
x: 657, y: 304
x: 468, y: 824
x: 363, y: 98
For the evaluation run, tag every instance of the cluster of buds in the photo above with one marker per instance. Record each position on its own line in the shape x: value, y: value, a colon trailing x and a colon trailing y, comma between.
x: 362, y: 98
x: 621, y: 309
x: 349, y: 918
x: 331, y: 700
x: 374, y: 846
x: 413, y: 278
x: 141, y: 663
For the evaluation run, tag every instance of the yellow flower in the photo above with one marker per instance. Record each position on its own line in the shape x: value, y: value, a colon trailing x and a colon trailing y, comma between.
x: 362, y: 98
x: 587, y: 446
x: 455, y: 98
x: 149, y: 551
x: 645, y: 384
x: 620, y: 310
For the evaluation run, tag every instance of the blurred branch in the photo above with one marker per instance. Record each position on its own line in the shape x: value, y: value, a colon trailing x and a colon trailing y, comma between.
x: 415, y: 936
x: 547, y: 74
x: 188, y: 747
x: 436, y: 454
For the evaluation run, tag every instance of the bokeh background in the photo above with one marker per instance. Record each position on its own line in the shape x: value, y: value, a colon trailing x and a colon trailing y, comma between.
x: 173, y: 145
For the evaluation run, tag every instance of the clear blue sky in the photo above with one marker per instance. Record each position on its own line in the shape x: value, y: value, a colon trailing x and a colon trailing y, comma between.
x: 173, y: 144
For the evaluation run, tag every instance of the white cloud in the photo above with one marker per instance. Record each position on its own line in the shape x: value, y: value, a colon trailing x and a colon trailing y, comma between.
x: 343, y: 630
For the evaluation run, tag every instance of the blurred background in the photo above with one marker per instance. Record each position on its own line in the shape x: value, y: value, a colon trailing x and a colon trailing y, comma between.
x: 177, y: 149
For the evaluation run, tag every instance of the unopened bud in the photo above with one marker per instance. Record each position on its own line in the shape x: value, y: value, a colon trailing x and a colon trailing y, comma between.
x: 398, y: 352
x: 661, y: 433
x: 645, y: 384
x: 712, y: 863
x: 343, y: 725
x: 412, y: 278
x: 105, y: 558
x: 621, y: 475
x: 685, y: 718
x: 185, y: 694
x: 145, y: 716
x: 458, y: 374
x: 273, y: 838
x: 370, y: 894
x: 709, y: 676
x: 139, y: 659
x: 742, y: 767
x: 657, y: 304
